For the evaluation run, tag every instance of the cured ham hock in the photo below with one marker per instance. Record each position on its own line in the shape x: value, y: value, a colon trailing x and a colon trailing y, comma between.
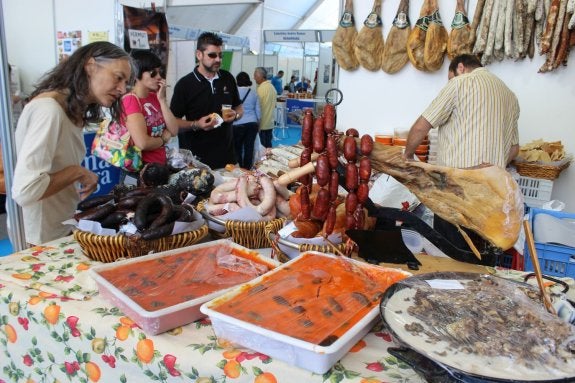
x: 486, y: 200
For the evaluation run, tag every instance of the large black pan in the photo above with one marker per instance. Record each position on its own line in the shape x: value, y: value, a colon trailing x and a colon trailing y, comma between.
x: 440, y: 361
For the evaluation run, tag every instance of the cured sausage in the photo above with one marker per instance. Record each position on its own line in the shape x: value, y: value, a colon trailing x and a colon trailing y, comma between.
x: 158, y: 232
x: 351, y: 180
x: 306, y: 130
x: 350, y: 221
x: 349, y: 149
x: 331, y: 150
x: 305, y: 158
x: 91, y: 202
x: 333, y: 186
x: 321, y: 205
x: 352, y: 132
x: 330, y: 220
x: 366, y: 144
x: 329, y: 118
x: 350, y: 203
x: 129, y: 202
x: 362, y: 192
x: 305, y: 203
x: 364, y: 169
x: 146, y: 204
x: 95, y: 213
x: 322, y: 170
x: 114, y: 220
x: 318, y: 136
x: 221, y: 208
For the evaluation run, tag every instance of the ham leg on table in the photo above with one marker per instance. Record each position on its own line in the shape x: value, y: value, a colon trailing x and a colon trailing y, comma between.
x: 395, y: 48
x: 344, y: 40
x: 369, y: 42
x: 416, y: 39
x: 435, y: 41
x: 460, y: 36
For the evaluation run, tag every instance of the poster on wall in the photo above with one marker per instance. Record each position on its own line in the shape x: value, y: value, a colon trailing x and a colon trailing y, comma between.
x: 146, y: 29
x: 67, y: 43
x: 94, y: 36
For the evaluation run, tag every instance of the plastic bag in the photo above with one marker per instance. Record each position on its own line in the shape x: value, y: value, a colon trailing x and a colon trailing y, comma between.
x: 259, y: 149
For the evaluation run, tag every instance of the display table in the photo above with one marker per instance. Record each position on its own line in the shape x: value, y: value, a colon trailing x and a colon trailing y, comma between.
x: 55, y: 327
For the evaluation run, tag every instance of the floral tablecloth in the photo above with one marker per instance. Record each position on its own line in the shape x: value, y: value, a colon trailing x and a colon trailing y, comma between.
x: 55, y: 327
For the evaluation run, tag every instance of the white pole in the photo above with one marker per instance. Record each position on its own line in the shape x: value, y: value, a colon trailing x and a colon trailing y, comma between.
x: 14, y: 213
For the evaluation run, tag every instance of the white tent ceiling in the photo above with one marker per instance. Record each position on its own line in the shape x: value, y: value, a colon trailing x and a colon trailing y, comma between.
x: 248, y: 18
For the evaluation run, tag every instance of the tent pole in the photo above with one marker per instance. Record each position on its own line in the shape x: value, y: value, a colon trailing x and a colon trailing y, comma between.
x: 14, y: 213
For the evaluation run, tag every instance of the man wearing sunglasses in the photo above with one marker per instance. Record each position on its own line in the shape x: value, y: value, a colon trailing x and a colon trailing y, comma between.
x: 197, y: 96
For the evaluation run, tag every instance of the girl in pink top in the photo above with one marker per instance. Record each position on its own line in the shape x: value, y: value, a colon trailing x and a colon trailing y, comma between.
x: 146, y: 111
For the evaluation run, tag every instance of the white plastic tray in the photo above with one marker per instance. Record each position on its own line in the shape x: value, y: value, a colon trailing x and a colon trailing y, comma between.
x: 155, y: 322
x: 296, y: 352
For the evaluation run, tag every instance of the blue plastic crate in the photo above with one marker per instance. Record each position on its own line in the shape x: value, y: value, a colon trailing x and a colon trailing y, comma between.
x: 554, y: 260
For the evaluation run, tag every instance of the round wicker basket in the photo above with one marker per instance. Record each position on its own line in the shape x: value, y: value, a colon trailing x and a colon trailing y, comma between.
x: 247, y: 234
x: 275, y: 240
x: 110, y: 248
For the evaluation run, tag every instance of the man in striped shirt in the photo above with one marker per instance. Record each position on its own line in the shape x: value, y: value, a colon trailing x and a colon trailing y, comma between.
x: 476, y: 116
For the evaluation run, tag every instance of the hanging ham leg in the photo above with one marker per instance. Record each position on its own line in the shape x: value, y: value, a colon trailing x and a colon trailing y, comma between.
x: 369, y: 41
x: 460, y: 36
x: 395, y: 49
x: 435, y: 41
x: 486, y: 200
x: 344, y: 40
x: 416, y: 40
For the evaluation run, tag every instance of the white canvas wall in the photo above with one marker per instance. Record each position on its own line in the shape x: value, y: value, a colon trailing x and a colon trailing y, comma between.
x: 373, y: 102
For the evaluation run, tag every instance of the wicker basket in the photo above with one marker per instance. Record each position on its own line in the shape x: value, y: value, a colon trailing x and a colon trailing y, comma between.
x: 275, y: 240
x: 109, y: 248
x: 247, y: 234
x: 534, y: 170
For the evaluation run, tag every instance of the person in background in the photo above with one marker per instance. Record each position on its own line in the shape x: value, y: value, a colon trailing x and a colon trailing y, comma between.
x: 201, y: 93
x: 277, y: 82
x: 303, y: 85
x: 48, y: 179
x: 267, y: 96
x: 476, y: 117
x: 147, y: 115
x: 246, y: 128
x: 291, y: 85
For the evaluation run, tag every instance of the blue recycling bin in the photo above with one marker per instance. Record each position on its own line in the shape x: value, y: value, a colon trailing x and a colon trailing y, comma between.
x: 108, y: 175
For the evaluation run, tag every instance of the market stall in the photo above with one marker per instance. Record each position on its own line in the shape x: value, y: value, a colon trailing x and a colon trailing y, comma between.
x: 55, y: 326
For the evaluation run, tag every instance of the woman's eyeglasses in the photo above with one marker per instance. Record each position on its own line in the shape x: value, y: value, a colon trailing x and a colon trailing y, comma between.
x: 155, y: 72
x: 213, y: 55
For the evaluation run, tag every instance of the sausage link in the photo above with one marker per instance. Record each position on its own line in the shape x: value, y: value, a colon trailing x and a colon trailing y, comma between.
x: 129, y: 202
x: 350, y: 203
x: 349, y: 149
x: 159, y: 231
x: 318, y: 136
x: 362, y: 192
x: 91, y: 202
x: 333, y: 186
x: 322, y: 173
x: 305, y: 157
x: 351, y: 180
x: 114, y: 220
x: 329, y: 118
x: 306, y: 130
x: 349, y: 221
x: 305, y: 204
x: 321, y: 205
x: 366, y: 144
x: 352, y: 132
x: 96, y: 213
x: 330, y: 220
x: 364, y: 168
x: 142, y: 210
x: 331, y: 149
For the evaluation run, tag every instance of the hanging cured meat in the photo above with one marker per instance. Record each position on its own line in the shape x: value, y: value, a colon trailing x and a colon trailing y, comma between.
x: 395, y: 49
x: 435, y: 41
x: 416, y: 40
x: 369, y: 41
x: 344, y: 39
x: 460, y: 37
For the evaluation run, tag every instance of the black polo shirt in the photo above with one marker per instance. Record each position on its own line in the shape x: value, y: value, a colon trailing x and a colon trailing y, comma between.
x: 195, y: 97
